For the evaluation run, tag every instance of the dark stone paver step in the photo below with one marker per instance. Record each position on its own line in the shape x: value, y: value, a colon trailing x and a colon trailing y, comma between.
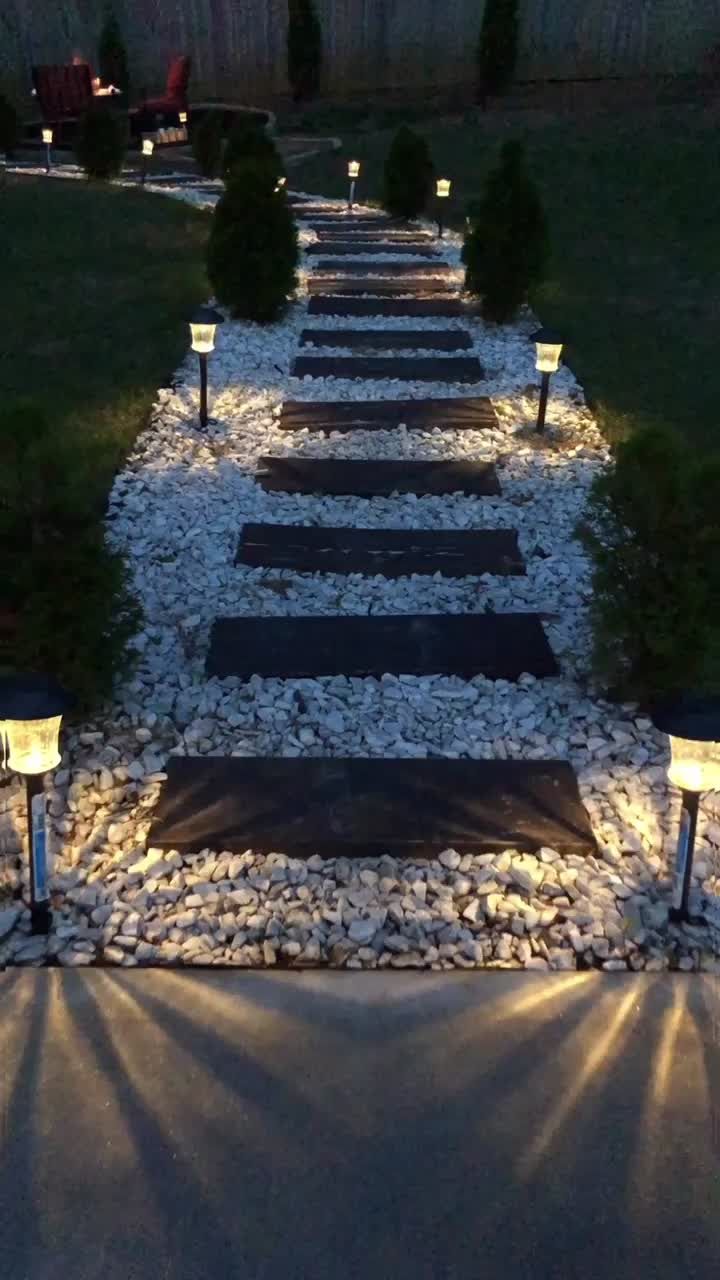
x: 406, y: 808
x: 469, y: 413
x: 371, y: 479
x: 390, y: 552
x: 345, y: 249
x: 371, y: 269
x: 416, y: 308
x: 370, y: 235
x: 452, y: 369
x: 500, y: 646
x: 378, y: 287
x: 353, y: 222
x: 388, y: 339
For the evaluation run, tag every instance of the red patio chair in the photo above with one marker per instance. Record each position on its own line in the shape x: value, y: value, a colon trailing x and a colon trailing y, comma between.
x: 63, y: 92
x: 176, y: 89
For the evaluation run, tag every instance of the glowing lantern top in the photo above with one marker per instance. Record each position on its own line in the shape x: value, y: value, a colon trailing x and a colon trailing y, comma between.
x: 442, y: 188
x: 148, y: 146
x: 31, y: 709
x: 548, y: 345
x: 203, y: 323
x: 693, y: 725
x: 353, y: 169
x: 182, y: 117
x: 47, y: 136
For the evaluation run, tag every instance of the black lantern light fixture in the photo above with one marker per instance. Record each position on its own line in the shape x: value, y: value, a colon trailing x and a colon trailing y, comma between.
x: 548, y: 349
x: 442, y: 192
x: 148, y: 146
x: 693, y: 725
x: 31, y: 711
x: 203, y: 324
x: 353, y: 175
x: 47, y: 137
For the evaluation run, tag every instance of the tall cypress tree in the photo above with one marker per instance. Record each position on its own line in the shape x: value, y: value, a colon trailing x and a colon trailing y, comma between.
x: 506, y: 249
x: 497, y: 48
x: 112, y: 55
x: 304, y: 49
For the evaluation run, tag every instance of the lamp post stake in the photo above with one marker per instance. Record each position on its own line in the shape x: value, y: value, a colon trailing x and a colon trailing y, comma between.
x: 544, y: 389
x: 40, y: 914
x: 203, y: 390
x: 680, y: 910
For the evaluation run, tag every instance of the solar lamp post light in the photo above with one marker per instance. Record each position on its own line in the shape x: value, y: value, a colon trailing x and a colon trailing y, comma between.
x: 31, y: 711
x: 203, y: 324
x: 548, y: 349
x: 148, y: 146
x: 47, y: 137
x: 353, y: 175
x: 693, y: 725
x: 442, y: 192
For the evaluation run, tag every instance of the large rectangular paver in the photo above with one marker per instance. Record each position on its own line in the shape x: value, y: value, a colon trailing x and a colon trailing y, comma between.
x: 451, y: 369
x: 407, y: 808
x: 370, y: 269
x: 390, y: 552
x: 377, y: 479
x: 378, y: 286
x: 501, y: 646
x: 406, y: 368
x: 349, y: 248
x: 388, y: 339
x: 418, y: 308
x: 469, y: 413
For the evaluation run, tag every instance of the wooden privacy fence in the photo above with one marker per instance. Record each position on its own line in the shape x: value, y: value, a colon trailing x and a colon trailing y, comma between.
x: 238, y: 46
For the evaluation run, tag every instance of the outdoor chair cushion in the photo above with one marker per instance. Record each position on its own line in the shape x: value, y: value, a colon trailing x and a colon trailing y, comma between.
x: 63, y: 92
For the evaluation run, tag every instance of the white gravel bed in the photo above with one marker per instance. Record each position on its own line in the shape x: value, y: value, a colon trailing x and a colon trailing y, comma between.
x: 176, y: 511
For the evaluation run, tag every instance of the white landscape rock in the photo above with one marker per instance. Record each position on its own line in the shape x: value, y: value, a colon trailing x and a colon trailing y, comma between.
x: 175, y: 511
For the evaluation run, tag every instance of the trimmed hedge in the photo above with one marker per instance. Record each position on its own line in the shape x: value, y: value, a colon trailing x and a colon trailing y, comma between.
x: 208, y: 144
x: 253, y: 247
x: 101, y: 142
x: 506, y: 248
x: 304, y: 50
x: 408, y: 175
x: 9, y: 126
x: 497, y: 48
x: 653, y: 533
x: 112, y: 54
x: 247, y: 142
x: 67, y: 608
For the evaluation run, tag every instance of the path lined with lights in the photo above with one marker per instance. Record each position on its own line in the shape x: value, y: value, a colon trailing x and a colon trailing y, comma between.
x: 416, y: 807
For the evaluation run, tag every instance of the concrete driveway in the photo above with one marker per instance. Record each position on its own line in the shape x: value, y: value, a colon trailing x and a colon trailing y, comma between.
x: 257, y: 1126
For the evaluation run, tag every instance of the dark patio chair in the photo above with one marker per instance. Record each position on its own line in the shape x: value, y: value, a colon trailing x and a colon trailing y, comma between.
x: 63, y: 92
x: 176, y: 90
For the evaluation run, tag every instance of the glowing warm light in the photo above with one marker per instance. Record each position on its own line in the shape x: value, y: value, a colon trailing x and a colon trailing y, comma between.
x: 548, y: 356
x: 354, y: 169
x: 202, y: 329
x: 148, y: 146
x: 695, y: 766
x: 47, y: 136
x: 282, y: 182
x: 203, y: 338
x: 32, y: 745
x: 442, y: 188
x: 182, y: 117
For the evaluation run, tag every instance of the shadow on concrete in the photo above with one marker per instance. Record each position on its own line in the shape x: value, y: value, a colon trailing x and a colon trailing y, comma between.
x: 272, y: 1126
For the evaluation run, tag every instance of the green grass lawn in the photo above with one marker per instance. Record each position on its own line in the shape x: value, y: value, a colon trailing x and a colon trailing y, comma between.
x: 634, y: 209
x: 98, y: 283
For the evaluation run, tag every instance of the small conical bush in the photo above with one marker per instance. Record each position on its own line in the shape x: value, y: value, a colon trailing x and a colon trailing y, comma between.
x: 253, y: 248
x: 408, y: 175
x: 505, y: 250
